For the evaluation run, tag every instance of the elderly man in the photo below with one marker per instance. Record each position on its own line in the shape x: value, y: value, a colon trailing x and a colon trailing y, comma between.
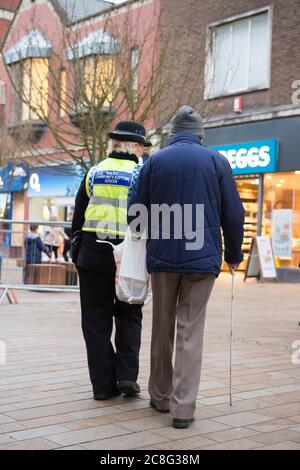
x: 183, y: 270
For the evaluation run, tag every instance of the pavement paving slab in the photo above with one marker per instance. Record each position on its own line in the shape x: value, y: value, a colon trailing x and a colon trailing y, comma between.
x: 46, y: 399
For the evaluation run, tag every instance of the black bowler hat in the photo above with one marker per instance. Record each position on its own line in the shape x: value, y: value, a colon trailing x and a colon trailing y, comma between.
x: 130, y: 131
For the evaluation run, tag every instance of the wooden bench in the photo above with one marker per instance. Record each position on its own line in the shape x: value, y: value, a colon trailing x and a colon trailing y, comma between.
x: 45, y: 274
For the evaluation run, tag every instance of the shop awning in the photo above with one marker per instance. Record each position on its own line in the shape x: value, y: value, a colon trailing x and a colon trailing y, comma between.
x: 97, y: 42
x: 34, y: 44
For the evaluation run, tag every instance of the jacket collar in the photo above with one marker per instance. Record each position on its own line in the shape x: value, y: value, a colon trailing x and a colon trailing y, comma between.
x: 124, y: 156
x: 185, y: 136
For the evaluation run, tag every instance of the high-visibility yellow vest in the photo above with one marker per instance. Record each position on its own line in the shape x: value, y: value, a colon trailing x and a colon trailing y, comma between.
x: 107, y: 185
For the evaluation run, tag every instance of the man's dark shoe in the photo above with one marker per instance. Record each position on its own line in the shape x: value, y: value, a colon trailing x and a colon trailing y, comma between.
x: 128, y: 388
x: 103, y: 396
x: 182, y: 423
x: 152, y: 404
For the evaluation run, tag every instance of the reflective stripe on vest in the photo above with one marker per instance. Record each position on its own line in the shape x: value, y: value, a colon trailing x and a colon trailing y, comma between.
x: 108, y: 201
x: 107, y: 185
x: 98, y: 225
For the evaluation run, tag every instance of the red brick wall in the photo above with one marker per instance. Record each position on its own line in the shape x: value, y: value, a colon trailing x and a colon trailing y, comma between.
x: 9, y: 4
x: 4, y: 23
x: 51, y: 28
x: 3, y: 29
x: 193, y: 16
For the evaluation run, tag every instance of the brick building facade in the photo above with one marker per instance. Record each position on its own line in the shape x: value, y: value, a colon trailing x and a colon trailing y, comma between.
x: 285, y: 59
x: 49, y: 46
x: 7, y: 11
x: 252, y: 108
x: 238, y: 64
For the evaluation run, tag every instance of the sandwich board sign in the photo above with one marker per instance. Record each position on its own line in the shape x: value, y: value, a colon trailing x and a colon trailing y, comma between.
x: 261, y: 259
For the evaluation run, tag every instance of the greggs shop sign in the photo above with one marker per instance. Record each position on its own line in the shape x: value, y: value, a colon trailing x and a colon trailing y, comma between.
x: 251, y: 157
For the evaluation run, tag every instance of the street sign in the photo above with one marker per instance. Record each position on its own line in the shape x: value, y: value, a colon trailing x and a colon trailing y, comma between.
x: 261, y: 260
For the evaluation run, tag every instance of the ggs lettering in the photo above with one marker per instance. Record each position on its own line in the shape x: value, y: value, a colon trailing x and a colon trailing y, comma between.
x: 248, y: 158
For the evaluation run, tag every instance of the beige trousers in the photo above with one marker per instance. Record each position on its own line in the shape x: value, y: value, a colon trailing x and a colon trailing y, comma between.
x: 181, y: 296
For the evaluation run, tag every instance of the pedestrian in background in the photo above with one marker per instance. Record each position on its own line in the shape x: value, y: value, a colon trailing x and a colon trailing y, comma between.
x: 186, y: 173
x: 99, y: 224
x: 67, y: 240
x: 34, y: 247
x: 1, y: 259
x: 53, y: 238
x: 146, y: 155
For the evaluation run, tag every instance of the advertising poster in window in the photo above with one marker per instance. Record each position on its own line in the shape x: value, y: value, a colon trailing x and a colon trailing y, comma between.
x: 282, y: 230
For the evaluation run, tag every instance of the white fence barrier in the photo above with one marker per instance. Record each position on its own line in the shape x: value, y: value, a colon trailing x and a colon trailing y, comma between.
x: 35, y: 255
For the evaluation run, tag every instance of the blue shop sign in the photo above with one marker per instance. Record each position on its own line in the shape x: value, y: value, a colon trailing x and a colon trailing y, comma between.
x: 54, y: 182
x: 13, y: 177
x: 251, y: 157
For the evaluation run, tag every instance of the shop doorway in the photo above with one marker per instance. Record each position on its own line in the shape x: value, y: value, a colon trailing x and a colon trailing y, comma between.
x: 248, y: 189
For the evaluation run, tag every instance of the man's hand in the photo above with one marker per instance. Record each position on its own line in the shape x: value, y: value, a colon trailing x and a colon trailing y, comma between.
x: 233, y: 267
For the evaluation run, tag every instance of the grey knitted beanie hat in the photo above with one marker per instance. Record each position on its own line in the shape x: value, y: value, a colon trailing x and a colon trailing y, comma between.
x: 187, y: 120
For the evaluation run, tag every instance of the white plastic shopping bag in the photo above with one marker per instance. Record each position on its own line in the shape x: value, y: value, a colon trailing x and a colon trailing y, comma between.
x: 118, y: 250
x: 132, y: 278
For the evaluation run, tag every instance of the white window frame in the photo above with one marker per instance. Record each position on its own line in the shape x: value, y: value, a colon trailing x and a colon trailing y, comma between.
x: 3, y: 96
x: 134, y: 69
x: 208, y: 67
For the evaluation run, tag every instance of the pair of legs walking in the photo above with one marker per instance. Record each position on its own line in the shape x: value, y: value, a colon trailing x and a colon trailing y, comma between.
x: 99, y: 306
x: 52, y: 249
x: 182, y: 297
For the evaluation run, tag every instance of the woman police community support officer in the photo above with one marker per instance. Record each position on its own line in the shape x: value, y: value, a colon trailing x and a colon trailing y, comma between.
x: 100, y: 221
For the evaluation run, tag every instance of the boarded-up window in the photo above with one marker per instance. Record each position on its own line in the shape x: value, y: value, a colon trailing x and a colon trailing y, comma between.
x: 99, y: 80
x: 63, y: 93
x: 239, y: 56
x: 35, y: 88
x: 30, y: 96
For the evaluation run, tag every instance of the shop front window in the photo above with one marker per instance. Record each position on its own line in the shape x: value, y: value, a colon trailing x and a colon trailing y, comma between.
x: 281, y: 216
x: 248, y: 191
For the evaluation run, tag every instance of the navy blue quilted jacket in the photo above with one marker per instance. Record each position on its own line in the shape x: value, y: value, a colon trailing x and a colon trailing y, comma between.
x: 186, y: 172
x: 33, y: 248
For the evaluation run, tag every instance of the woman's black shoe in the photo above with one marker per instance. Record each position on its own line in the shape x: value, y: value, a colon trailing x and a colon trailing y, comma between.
x: 128, y: 388
x: 102, y: 396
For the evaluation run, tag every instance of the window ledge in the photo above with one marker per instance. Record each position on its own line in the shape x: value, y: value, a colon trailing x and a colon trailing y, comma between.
x: 236, y: 93
x: 27, y: 131
x: 85, y: 118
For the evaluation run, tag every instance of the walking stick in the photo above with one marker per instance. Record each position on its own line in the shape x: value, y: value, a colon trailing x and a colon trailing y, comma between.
x: 231, y: 334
